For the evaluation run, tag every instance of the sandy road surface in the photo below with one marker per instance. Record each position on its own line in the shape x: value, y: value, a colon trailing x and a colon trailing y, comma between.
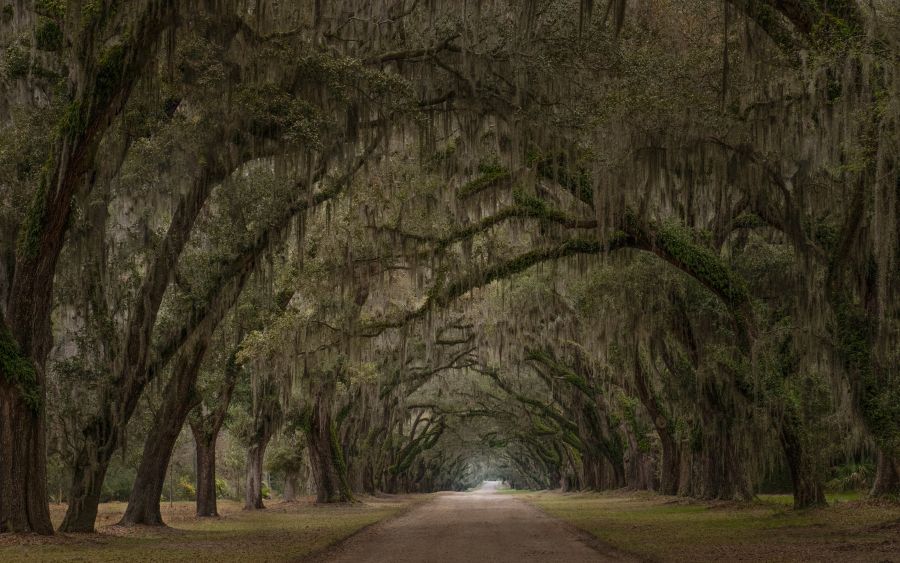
x: 477, y: 526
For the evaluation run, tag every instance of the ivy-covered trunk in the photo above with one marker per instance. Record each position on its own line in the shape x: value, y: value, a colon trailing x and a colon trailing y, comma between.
x: 326, y: 457
x: 24, y: 344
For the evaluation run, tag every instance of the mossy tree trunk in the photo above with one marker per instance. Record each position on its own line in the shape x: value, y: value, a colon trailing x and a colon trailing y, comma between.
x: 98, y: 93
x: 267, y: 417
x: 326, y: 455
x: 24, y: 503
x: 256, y: 453
x: 808, y: 487
x: 670, y: 461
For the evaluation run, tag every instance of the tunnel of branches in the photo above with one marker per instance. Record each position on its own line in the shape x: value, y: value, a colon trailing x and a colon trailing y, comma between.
x: 404, y: 246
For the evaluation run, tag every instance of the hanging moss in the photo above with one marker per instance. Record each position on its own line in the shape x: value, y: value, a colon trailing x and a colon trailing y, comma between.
x: 48, y: 36
x: 93, y: 13
x: 110, y: 70
x: 18, y: 370
x: 33, y: 225
x: 879, y: 402
x: 55, y: 9
x: 16, y: 63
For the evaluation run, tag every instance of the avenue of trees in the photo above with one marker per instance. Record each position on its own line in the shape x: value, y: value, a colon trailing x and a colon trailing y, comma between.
x: 403, y: 245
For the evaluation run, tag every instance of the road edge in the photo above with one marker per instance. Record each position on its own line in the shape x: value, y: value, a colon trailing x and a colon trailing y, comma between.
x: 323, y: 553
x: 603, y: 548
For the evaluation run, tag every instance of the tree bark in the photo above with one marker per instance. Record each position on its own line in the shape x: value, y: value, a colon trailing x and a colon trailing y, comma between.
x: 255, y: 455
x: 325, y: 457
x: 809, y: 491
x: 205, y: 428
x: 179, y: 399
x: 23, y: 500
x: 205, y: 443
x: 887, y: 476
x: 670, y: 462
x: 291, y: 486
x: 24, y: 505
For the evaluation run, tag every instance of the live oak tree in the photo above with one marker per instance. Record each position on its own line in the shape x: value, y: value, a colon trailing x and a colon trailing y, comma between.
x: 577, y: 245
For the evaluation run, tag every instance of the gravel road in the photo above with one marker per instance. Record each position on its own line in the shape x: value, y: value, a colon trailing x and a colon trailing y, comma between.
x: 482, y: 525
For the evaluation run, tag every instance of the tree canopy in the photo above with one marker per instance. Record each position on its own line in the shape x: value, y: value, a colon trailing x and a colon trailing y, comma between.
x: 412, y: 245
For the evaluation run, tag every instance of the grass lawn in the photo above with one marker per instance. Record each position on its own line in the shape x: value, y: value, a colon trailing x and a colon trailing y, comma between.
x: 284, y: 531
x: 661, y: 528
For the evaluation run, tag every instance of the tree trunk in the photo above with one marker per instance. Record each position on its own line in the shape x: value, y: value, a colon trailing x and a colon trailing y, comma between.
x: 255, y: 455
x: 806, y: 477
x: 205, y: 428
x: 686, y: 471
x: 669, y: 464
x: 101, y: 439
x: 120, y: 398
x: 24, y: 346
x: 326, y: 458
x: 205, y: 443
x: 23, y: 492
x: 291, y: 485
x: 24, y: 505
x: 179, y: 399
x: 887, y: 476
x: 723, y: 475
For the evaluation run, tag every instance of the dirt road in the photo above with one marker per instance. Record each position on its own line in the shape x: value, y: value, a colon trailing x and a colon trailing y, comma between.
x: 479, y: 526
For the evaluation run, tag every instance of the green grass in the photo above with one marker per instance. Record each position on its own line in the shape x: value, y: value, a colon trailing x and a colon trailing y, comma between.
x: 674, y: 529
x: 832, y: 498
x: 281, y: 533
